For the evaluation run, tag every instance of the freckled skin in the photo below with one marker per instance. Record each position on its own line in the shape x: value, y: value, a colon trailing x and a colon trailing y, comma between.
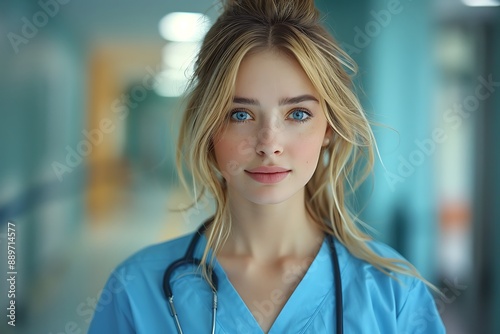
x: 271, y: 133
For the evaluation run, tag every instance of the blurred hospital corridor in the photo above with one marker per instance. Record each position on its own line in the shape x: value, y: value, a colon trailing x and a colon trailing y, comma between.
x: 90, y: 106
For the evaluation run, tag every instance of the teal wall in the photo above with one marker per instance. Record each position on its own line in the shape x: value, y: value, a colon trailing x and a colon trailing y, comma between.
x: 490, y: 174
x: 42, y: 109
x: 392, y: 45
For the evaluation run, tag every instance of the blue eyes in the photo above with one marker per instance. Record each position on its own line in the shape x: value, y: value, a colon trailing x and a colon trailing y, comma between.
x: 302, y: 115
x: 240, y: 116
x: 298, y: 115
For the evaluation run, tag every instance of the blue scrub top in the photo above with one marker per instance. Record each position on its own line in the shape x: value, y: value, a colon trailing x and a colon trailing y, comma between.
x: 133, y: 300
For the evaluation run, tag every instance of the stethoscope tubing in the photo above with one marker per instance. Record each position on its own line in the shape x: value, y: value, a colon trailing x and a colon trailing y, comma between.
x: 339, y: 304
x: 188, y: 259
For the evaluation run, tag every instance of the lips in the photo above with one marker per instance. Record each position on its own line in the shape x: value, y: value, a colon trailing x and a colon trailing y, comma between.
x: 268, y: 169
x: 268, y: 174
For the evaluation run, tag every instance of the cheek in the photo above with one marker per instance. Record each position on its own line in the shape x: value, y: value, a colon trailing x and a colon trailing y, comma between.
x: 307, y: 151
x: 231, y: 155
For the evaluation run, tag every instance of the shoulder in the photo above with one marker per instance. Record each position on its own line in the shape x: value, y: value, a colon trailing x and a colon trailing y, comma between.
x: 144, y: 269
x: 140, y: 276
x: 371, y: 284
x: 163, y: 251
x: 156, y: 256
x: 405, y: 299
x: 132, y: 298
x: 357, y: 265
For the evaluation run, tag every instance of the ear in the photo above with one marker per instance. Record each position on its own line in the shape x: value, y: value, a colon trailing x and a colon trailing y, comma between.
x: 328, y: 136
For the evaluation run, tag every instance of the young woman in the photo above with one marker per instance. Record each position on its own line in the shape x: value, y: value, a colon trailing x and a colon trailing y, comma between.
x: 273, y: 132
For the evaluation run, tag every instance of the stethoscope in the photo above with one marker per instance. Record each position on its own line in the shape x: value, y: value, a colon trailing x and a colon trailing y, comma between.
x: 189, y: 259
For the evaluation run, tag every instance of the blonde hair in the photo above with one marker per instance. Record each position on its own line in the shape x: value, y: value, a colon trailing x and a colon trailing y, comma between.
x: 293, y: 27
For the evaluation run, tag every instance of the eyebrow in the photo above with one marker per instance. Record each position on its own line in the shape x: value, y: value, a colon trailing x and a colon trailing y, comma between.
x: 282, y: 102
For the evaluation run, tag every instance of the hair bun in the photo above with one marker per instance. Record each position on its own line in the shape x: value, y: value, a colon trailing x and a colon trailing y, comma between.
x: 272, y: 10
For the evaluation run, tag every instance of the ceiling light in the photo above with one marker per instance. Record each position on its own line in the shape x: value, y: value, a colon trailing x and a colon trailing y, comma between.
x: 172, y: 82
x: 179, y: 54
x: 481, y: 3
x: 184, y: 27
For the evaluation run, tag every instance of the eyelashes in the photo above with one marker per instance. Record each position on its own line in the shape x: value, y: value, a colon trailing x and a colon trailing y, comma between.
x: 237, y: 114
x: 301, y: 112
x: 243, y: 116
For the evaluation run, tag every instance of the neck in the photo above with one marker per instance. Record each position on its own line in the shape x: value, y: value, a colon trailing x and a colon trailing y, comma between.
x: 270, y: 232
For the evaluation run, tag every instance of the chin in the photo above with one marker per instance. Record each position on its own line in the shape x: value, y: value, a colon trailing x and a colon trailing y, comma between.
x: 269, y: 198
x: 262, y: 201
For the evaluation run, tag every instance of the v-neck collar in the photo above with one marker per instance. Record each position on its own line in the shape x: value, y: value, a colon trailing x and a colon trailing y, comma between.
x: 295, y: 316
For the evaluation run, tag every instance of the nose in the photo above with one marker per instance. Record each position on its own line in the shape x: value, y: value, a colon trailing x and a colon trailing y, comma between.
x: 269, y: 141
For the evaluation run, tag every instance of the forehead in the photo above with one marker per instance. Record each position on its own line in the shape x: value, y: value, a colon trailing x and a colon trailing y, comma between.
x: 270, y: 76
